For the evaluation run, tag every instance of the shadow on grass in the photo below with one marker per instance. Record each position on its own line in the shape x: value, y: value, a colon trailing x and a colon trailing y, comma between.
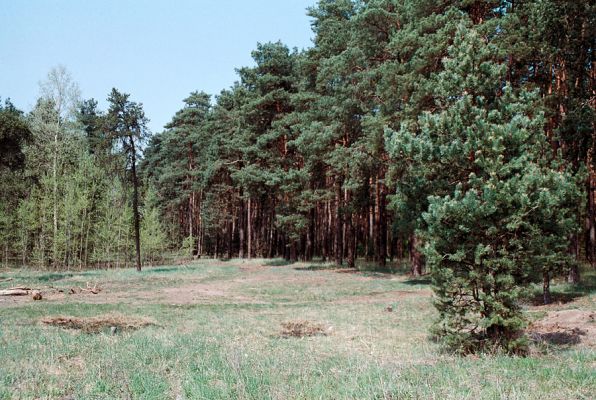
x: 54, y: 277
x: 379, y: 273
x: 318, y: 267
x: 559, y: 338
x: 50, y: 277
x: 420, y: 281
x: 537, y: 298
x: 278, y: 263
x: 166, y: 270
x: 564, y: 293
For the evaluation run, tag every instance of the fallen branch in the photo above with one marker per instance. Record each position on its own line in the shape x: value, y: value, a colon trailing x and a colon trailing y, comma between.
x: 94, y: 289
x: 14, y: 292
x: 6, y: 280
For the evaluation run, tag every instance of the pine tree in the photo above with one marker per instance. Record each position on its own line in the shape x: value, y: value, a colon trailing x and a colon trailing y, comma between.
x: 550, y: 45
x: 499, y: 213
x: 266, y: 155
x: 126, y: 122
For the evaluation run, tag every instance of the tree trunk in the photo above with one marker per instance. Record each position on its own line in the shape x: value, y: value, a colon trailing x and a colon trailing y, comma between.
x: 338, y: 225
x: 310, y: 236
x: 249, y: 227
x: 382, y: 229
x: 327, y: 247
x: 55, y: 200
x: 293, y: 257
x: 415, y: 256
x: 241, y: 226
x: 590, y: 238
x: 229, y: 240
x: 546, y: 288
x: 351, y: 243
x: 135, y: 203
x: 574, y: 275
x: 370, y: 241
x: 350, y: 234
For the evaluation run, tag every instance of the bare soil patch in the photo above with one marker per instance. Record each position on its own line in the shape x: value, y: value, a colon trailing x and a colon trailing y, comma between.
x: 566, y: 327
x: 252, y: 268
x: 301, y: 329
x: 198, y: 293
x: 113, y: 323
x: 232, y: 289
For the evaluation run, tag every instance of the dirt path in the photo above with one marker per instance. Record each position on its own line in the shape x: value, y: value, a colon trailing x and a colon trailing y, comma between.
x: 240, y: 288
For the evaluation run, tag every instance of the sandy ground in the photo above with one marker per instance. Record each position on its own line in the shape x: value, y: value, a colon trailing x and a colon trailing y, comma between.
x: 571, y: 326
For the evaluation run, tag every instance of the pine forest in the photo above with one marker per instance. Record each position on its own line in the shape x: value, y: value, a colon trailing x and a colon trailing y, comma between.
x: 453, y: 140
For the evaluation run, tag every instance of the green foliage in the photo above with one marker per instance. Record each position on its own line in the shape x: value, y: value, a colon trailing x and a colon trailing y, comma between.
x: 188, y: 246
x: 14, y: 133
x: 153, y: 237
x: 113, y: 246
x: 499, y: 214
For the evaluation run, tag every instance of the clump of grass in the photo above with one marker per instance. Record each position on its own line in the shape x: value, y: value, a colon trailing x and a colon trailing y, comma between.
x: 302, y: 329
x: 99, y: 324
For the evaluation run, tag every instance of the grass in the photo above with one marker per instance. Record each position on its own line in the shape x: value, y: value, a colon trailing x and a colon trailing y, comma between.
x: 219, y: 335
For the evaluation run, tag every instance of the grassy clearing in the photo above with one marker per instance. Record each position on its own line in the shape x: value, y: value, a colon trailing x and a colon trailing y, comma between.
x: 219, y: 334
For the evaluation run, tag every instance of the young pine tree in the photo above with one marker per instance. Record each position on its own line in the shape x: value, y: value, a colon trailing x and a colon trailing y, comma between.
x: 500, y: 207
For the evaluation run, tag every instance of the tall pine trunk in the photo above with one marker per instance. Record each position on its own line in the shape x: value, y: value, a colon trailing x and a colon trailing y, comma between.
x: 546, y: 287
x: 249, y: 227
x: 415, y: 256
x: 574, y: 274
x: 135, y: 203
x: 55, y: 200
x: 350, y: 234
x: 241, y: 226
x: 590, y: 232
x: 338, y: 240
x: 382, y: 225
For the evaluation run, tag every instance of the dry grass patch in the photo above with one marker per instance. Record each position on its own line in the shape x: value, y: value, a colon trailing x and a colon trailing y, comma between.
x: 113, y: 323
x: 302, y: 329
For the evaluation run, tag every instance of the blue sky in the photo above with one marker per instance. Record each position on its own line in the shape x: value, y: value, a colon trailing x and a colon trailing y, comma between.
x: 158, y: 51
